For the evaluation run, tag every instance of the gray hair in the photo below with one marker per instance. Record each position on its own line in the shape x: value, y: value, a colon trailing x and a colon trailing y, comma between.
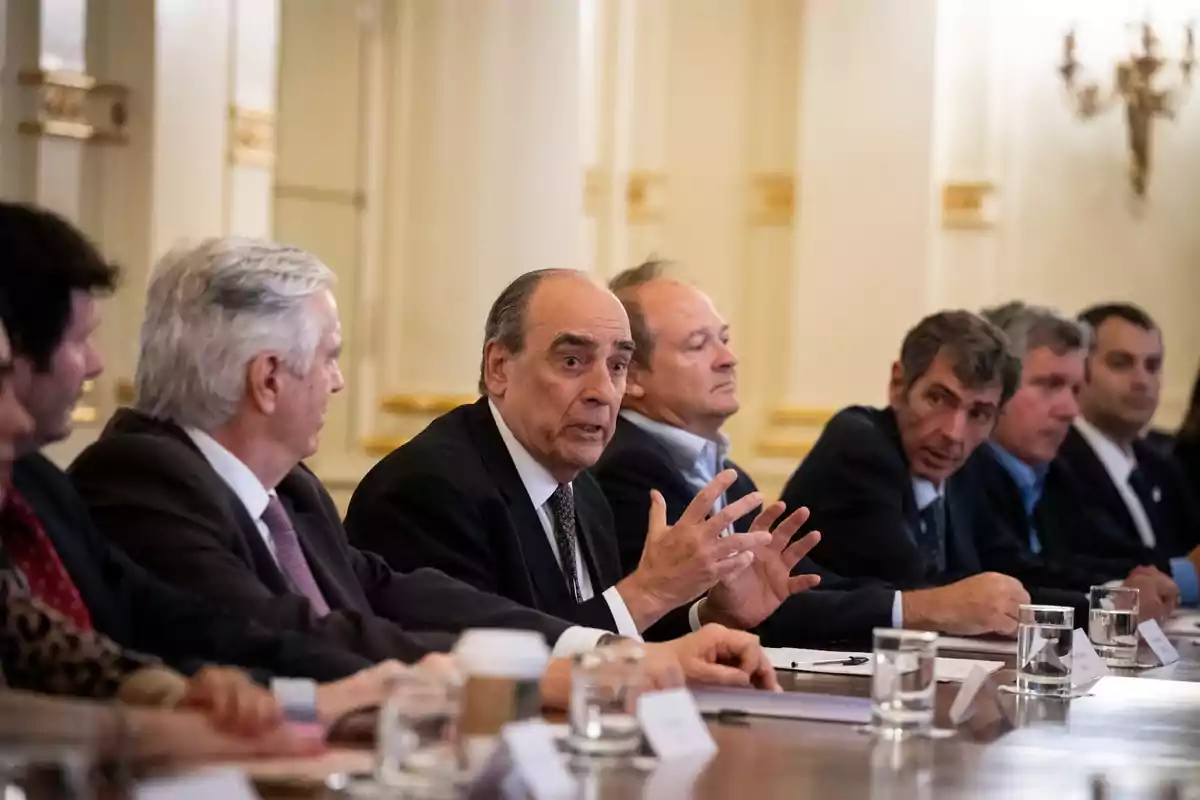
x: 506, y: 319
x: 625, y: 286
x: 211, y: 308
x: 1030, y: 327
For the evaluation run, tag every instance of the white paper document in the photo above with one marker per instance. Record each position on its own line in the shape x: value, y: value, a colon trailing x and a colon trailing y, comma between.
x: 227, y: 784
x: 535, y: 756
x: 787, y: 705
x: 969, y: 644
x: 948, y: 670
x: 1183, y: 624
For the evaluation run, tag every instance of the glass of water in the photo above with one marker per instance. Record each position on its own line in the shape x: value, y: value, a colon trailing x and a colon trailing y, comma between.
x: 1044, y: 635
x: 1113, y: 624
x: 416, y: 745
x: 903, y: 681
x: 605, y: 684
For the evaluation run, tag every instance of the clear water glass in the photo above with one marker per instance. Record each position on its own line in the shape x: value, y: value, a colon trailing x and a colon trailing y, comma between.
x: 605, y: 684
x: 1113, y: 624
x: 903, y: 681
x: 417, y: 741
x: 1044, y: 635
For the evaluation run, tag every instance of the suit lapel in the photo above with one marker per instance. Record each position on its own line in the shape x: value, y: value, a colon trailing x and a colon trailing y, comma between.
x: 961, y: 553
x: 599, y: 545
x: 1092, y: 474
x: 531, y: 540
x: 912, y: 515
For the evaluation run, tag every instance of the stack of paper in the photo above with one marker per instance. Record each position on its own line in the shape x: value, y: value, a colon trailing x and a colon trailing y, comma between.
x: 996, y: 647
x: 948, y: 670
x: 1184, y: 624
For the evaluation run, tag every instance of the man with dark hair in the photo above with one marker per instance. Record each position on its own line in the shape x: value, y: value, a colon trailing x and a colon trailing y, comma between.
x: 1123, y: 500
x: 1016, y: 532
x: 497, y: 494
x: 878, y: 480
x: 47, y: 533
x: 681, y: 390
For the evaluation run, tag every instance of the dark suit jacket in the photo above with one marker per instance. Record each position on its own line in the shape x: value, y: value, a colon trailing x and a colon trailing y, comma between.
x: 1001, y: 527
x: 140, y: 612
x: 155, y: 494
x: 451, y: 498
x: 1092, y: 520
x: 636, y: 462
x: 857, y: 483
x: 1187, y: 455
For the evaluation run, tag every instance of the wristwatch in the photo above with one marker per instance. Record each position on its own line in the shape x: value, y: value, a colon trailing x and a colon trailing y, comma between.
x: 297, y: 697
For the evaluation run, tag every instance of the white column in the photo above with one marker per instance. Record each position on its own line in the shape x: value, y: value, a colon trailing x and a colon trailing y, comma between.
x: 865, y: 206
x: 490, y: 181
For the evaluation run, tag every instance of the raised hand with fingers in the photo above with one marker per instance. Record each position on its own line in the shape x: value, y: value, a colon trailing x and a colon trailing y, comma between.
x: 747, y: 598
x: 681, y: 562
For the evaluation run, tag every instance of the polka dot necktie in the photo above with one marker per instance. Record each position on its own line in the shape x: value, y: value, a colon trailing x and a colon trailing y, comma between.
x: 32, y: 552
x: 562, y: 504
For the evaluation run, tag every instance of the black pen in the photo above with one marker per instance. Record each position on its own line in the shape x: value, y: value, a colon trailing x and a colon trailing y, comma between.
x: 851, y: 661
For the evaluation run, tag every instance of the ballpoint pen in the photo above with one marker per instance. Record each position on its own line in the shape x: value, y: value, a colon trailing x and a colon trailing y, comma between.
x: 851, y: 661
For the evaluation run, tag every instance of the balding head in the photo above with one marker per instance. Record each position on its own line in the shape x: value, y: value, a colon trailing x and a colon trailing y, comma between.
x: 684, y: 373
x: 554, y: 364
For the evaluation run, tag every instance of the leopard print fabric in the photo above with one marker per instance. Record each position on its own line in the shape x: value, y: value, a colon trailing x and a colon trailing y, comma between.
x: 41, y: 651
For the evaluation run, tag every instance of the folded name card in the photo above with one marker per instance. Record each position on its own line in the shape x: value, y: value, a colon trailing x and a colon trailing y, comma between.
x: 672, y: 725
x: 227, y: 784
x: 1153, y: 635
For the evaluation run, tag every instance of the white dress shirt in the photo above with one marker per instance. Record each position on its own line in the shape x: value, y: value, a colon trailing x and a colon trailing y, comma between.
x: 238, y: 477
x: 540, y: 484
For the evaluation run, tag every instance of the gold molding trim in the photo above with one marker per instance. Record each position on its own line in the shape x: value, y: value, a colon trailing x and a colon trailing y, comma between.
x: 73, y: 105
x: 646, y: 197
x: 968, y: 205
x: 772, y: 199
x: 315, y: 194
x: 776, y: 447
x: 123, y: 391
x: 594, y: 185
x: 798, y: 415
x: 424, y: 404
x: 251, y: 137
x: 380, y: 446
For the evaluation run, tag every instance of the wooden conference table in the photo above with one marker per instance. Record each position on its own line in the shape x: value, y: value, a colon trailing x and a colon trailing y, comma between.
x: 1136, y: 735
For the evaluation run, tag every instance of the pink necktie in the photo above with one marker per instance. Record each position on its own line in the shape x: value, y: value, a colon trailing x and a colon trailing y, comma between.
x: 291, y: 557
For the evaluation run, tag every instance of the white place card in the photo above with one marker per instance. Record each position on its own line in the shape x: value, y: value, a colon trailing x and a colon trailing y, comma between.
x: 227, y: 784
x: 1158, y: 641
x: 536, y: 759
x: 673, y: 726
x: 1086, y: 665
x: 966, y: 695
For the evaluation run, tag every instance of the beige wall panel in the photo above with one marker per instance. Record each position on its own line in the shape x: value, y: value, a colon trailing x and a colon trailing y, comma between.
x: 319, y: 96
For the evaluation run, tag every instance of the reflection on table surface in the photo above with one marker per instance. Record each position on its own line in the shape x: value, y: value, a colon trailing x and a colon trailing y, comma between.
x: 1135, y: 734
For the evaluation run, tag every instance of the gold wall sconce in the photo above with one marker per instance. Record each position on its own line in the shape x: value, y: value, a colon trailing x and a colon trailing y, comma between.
x: 1133, y: 86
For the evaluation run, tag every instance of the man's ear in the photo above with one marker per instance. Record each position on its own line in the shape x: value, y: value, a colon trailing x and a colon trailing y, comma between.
x: 262, y: 381
x: 634, y: 386
x: 896, y: 388
x: 496, y: 359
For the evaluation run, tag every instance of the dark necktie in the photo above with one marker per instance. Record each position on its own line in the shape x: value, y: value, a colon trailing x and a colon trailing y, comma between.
x: 291, y: 558
x: 931, y: 537
x: 32, y: 552
x: 1145, y: 490
x: 562, y: 504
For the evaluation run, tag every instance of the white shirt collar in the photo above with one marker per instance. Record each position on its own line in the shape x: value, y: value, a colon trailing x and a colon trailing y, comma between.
x: 1116, y: 461
x: 539, y: 483
x: 244, y: 483
x: 685, y: 445
x: 924, y: 492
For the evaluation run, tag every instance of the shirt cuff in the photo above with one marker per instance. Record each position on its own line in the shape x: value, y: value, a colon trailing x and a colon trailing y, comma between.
x: 694, y: 616
x: 620, y: 614
x: 1184, y: 573
x: 577, y: 639
x: 898, y: 611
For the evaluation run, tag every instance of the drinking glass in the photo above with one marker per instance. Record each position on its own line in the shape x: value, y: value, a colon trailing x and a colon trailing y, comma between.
x: 416, y: 749
x: 605, y: 684
x: 1113, y: 624
x: 1044, y: 635
x: 903, y: 681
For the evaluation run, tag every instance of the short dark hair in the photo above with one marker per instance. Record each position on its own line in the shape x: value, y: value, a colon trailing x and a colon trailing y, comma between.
x: 625, y: 286
x: 45, y: 260
x: 1097, y: 315
x: 506, y: 318
x: 979, y: 351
